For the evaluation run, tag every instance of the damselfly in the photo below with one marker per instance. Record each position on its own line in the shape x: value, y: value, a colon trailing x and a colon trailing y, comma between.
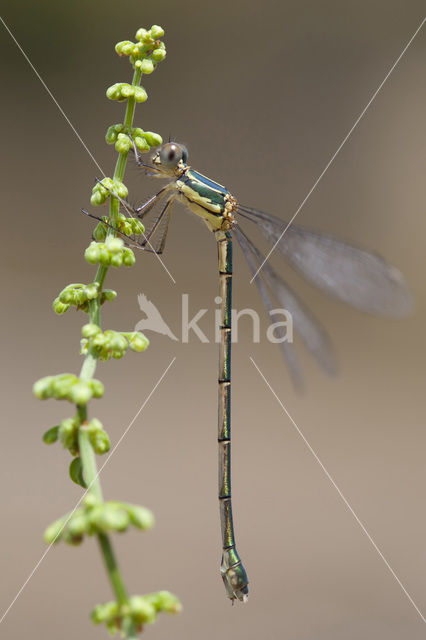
x: 361, y: 279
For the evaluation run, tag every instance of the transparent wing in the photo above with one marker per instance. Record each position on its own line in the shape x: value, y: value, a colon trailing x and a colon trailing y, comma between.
x: 363, y: 280
x: 312, y: 334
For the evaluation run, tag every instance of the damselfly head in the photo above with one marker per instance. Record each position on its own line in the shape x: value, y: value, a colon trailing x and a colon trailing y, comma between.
x: 170, y: 158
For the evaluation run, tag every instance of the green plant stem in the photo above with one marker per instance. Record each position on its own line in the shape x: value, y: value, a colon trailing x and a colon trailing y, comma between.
x: 87, y: 372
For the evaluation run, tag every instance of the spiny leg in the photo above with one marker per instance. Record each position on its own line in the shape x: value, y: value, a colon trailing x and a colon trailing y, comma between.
x: 232, y: 570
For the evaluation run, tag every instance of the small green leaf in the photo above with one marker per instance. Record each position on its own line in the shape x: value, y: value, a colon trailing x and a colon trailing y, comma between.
x: 76, y: 472
x: 51, y: 435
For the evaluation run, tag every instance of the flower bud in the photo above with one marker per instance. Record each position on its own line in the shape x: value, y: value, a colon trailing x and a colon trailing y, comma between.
x: 90, y: 330
x: 81, y: 393
x: 142, y: 611
x: 128, y: 257
x: 140, y: 94
x: 109, y: 294
x: 97, y: 388
x: 140, y: 517
x: 92, y: 253
x: 138, y: 342
x: 114, y: 245
x: 116, y: 260
x: 147, y: 66
x: 58, y: 307
x: 153, y: 139
x: 156, y: 31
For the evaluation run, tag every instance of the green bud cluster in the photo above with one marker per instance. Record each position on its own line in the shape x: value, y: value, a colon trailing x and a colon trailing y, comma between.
x: 128, y: 226
x: 67, y: 434
x: 110, y: 253
x: 111, y: 344
x: 122, y: 91
x: 147, y: 52
x: 102, y: 190
x: 96, y: 518
x: 118, y: 134
x: 141, y: 609
x: 79, y: 295
x: 68, y: 386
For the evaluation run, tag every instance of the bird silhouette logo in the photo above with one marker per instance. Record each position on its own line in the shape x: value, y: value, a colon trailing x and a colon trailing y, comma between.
x: 153, y: 320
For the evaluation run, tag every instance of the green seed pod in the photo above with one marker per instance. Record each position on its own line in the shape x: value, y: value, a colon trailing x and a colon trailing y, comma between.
x: 140, y: 94
x: 58, y: 307
x: 141, y: 610
x: 80, y: 393
x: 156, y: 31
x: 138, y: 342
x: 42, y: 389
x: 147, y: 66
x: 109, y: 294
x: 54, y: 531
x: 140, y: 517
x: 97, y: 388
x: 153, y: 139
x: 51, y: 435
x: 128, y: 257
x: 92, y: 253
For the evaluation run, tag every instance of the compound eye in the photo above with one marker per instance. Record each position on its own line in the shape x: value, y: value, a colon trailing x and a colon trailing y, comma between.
x: 172, y: 153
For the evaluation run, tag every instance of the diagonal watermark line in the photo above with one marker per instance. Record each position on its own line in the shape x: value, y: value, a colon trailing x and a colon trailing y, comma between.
x: 73, y: 128
x: 339, y: 148
x: 113, y: 450
x: 339, y: 492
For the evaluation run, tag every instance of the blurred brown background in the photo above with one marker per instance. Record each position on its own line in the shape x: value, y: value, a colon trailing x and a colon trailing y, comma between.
x: 262, y: 94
